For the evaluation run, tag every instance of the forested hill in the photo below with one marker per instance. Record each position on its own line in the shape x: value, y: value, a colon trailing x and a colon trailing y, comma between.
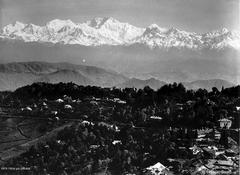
x: 172, y: 102
x: 142, y: 96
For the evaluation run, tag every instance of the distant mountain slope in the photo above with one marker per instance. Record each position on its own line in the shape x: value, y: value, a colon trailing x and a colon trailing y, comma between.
x: 156, y: 84
x: 139, y: 84
x: 208, y: 84
x: 11, y: 81
x: 17, y: 74
x: 169, y: 54
x: 132, y: 61
x: 65, y: 76
x: 28, y: 67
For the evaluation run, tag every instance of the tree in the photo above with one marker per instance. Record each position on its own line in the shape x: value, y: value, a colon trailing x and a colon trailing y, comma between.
x: 224, y: 138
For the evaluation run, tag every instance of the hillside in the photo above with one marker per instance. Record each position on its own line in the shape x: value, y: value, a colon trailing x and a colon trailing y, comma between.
x: 65, y: 76
x: 208, y: 84
x: 140, y: 84
x: 12, y: 81
x: 18, y: 74
x: 132, y: 61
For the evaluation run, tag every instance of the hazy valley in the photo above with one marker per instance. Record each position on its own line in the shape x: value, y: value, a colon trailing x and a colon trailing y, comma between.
x: 18, y: 74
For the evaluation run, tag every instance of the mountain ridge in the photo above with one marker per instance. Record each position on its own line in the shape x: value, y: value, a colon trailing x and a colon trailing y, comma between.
x: 110, y: 31
x: 208, y: 84
x: 65, y: 76
x: 140, y: 84
x: 17, y: 74
x: 137, y: 60
x: 10, y: 79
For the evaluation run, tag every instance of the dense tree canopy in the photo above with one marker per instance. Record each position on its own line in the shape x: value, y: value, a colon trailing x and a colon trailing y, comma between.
x: 141, y: 96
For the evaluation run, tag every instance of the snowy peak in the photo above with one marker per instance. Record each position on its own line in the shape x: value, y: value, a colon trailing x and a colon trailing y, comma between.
x: 58, y: 24
x: 116, y: 31
x: 222, y: 38
x: 154, y: 36
x: 99, y: 22
x: 110, y: 31
x: 154, y: 29
x: 11, y: 28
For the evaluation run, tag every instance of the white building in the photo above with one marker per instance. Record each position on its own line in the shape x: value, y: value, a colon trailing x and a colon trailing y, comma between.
x: 225, y: 123
x: 67, y: 107
x: 59, y: 100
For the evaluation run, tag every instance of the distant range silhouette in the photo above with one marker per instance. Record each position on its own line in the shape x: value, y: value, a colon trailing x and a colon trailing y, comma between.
x: 18, y: 74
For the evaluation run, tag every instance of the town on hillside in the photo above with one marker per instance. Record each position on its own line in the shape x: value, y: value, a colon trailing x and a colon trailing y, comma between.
x: 66, y: 129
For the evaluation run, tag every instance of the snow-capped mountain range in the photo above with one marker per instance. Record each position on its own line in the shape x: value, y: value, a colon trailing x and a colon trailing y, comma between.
x: 109, y: 31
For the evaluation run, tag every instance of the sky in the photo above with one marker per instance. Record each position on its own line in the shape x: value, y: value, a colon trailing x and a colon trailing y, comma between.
x: 190, y: 15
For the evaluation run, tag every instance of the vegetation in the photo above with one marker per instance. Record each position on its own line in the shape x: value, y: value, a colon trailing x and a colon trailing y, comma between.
x: 176, y: 105
x: 119, y: 138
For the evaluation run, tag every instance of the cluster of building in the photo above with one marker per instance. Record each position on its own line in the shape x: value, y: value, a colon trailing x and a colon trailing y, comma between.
x: 206, y: 150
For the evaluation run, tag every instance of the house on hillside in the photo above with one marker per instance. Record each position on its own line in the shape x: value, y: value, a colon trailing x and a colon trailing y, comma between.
x: 59, y: 100
x: 157, y: 169
x: 67, y: 106
x: 225, y: 123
